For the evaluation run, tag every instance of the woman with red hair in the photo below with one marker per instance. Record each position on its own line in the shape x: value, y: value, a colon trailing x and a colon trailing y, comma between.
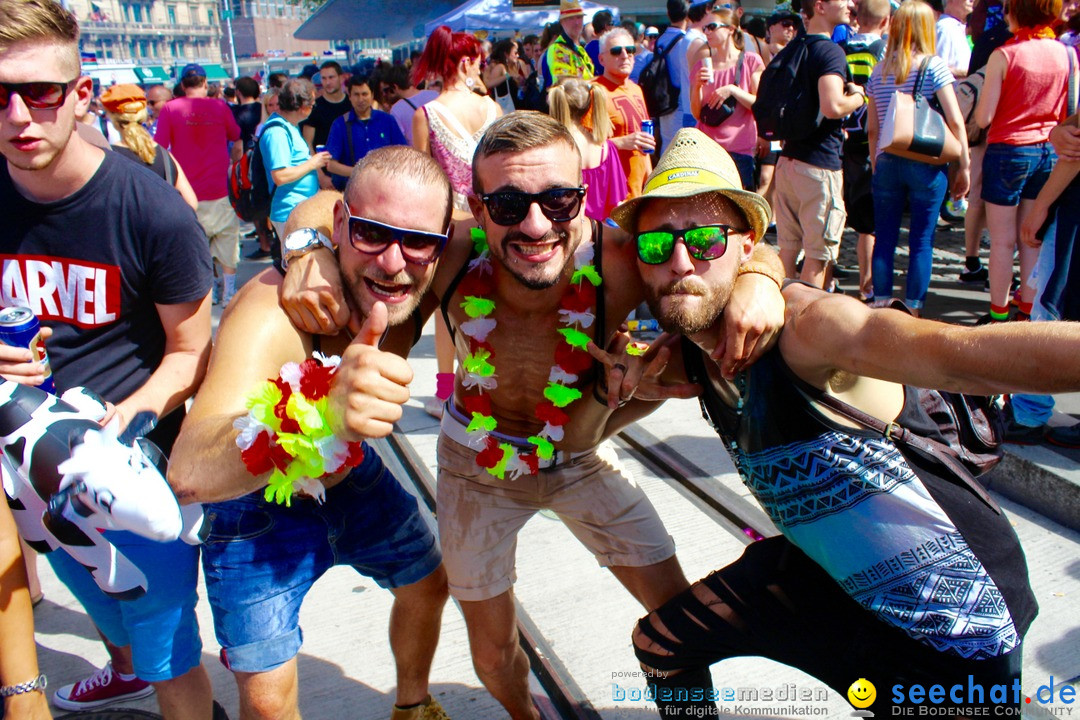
x: 448, y: 128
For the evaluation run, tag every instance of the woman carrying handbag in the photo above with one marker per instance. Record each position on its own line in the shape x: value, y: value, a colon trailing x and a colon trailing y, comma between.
x: 724, y: 85
x: 910, y: 68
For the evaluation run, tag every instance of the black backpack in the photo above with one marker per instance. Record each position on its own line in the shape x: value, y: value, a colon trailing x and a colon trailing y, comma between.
x: 787, y: 106
x: 250, y: 192
x: 661, y: 94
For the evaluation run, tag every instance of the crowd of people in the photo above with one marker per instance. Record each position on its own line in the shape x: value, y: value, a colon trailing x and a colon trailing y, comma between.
x: 516, y: 192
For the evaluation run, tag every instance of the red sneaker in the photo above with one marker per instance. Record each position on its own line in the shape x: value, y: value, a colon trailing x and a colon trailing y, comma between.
x: 101, y: 688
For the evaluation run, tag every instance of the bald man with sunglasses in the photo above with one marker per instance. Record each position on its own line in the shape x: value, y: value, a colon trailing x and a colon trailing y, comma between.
x: 390, y: 226
x: 522, y: 430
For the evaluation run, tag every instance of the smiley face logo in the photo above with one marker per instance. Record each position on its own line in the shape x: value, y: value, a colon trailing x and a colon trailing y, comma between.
x: 862, y: 693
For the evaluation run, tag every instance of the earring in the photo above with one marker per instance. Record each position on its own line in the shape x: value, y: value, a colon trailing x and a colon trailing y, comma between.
x: 470, y: 83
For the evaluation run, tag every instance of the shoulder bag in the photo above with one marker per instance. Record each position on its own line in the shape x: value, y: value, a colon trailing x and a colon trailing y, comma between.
x: 914, y: 129
x: 714, y: 115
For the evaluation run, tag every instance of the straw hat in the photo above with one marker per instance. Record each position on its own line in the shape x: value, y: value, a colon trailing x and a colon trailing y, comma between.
x: 123, y: 99
x: 694, y: 164
x: 569, y: 9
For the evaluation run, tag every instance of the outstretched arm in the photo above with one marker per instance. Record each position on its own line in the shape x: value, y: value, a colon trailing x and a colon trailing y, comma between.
x: 828, y: 333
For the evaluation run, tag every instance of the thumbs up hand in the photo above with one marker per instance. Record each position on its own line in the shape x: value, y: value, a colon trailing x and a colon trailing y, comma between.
x: 370, y: 385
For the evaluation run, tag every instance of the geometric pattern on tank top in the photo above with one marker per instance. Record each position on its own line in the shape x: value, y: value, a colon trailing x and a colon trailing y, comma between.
x: 835, y: 476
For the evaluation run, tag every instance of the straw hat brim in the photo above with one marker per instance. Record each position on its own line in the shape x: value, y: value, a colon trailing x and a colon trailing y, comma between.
x: 756, y: 209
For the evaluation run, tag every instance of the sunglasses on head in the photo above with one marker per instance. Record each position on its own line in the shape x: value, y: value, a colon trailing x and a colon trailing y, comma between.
x: 510, y: 207
x: 620, y: 49
x: 36, y: 95
x: 707, y: 242
x: 373, y: 238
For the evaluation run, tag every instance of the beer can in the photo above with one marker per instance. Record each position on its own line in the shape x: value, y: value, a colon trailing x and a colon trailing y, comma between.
x: 707, y: 63
x: 20, y: 328
x: 647, y: 127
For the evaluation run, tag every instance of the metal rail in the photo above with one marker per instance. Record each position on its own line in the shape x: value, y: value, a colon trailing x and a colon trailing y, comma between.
x: 567, y: 700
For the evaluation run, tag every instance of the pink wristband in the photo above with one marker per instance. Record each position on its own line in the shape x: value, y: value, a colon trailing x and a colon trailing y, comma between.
x: 444, y: 385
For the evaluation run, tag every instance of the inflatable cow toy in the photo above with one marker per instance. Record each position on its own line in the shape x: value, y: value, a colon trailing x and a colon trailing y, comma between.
x: 65, y: 477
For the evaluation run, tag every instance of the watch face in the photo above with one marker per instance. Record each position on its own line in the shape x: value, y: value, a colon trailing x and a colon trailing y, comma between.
x: 299, y: 239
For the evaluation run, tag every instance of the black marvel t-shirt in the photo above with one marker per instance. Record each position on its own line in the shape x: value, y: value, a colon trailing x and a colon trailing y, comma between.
x: 822, y: 147
x: 92, y: 267
x: 323, y: 116
x: 248, y: 116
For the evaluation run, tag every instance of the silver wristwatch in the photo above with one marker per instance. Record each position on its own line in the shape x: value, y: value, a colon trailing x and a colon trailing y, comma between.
x: 37, y: 683
x: 301, y: 242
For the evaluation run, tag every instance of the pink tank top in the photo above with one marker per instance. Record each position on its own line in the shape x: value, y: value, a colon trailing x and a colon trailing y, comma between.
x: 607, y: 184
x: 1033, y: 93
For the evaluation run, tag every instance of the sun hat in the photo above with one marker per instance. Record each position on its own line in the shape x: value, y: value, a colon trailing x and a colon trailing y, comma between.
x: 694, y: 164
x: 124, y: 99
x: 570, y: 8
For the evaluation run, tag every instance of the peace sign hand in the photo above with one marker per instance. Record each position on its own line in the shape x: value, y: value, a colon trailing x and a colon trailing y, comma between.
x: 634, y: 370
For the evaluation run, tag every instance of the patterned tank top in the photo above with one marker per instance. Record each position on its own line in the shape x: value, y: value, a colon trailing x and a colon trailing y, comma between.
x: 453, y: 146
x: 918, y: 551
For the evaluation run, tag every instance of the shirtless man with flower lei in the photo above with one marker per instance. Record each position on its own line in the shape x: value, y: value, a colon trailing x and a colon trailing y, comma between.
x: 522, y: 430
x: 267, y: 546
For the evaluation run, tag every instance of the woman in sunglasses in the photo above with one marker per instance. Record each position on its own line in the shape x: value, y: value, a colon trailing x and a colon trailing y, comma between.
x: 126, y: 108
x: 448, y: 128
x: 723, y: 87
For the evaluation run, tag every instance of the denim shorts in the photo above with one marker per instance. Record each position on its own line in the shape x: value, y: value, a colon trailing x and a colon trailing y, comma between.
x: 1011, y: 173
x: 161, y: 626
x: 261, y: 559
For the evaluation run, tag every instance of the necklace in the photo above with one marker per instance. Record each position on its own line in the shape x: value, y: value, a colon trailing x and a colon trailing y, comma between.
x: 571, y: 359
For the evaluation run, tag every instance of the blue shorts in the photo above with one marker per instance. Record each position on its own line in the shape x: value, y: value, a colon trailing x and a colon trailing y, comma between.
x: 1012, y: 173
x: 161, y: 626
x: 261, y: 559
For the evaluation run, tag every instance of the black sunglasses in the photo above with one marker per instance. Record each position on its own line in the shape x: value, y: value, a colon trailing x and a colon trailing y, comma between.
x: 36, y: 95
x: 707, y: 242
x: 373, y: 238
x: 510, y: 207
x: 620, y: 49
x: 716, y: 26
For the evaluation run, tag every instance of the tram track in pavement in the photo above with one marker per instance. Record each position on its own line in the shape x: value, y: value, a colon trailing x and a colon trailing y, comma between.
x: 564, y: 699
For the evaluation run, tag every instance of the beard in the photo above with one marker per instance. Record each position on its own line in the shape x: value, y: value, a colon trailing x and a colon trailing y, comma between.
x: 689, y: 305
x: 362, y: 299
x: 535, y: 276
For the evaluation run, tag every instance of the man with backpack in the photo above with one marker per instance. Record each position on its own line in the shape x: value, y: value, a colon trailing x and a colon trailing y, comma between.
x: 667, y: 73
x: 803, y: 98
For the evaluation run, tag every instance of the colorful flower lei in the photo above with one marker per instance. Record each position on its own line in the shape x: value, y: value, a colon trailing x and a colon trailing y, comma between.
x: 286, y: 432
x: 571, y: 359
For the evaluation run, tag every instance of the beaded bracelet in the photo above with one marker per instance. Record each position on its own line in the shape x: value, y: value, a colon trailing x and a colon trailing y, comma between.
x: 286, y: 431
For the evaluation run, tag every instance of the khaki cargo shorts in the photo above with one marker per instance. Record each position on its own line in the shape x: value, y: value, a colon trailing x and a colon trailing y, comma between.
x: 480, y: 515
x: 808, y: 202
